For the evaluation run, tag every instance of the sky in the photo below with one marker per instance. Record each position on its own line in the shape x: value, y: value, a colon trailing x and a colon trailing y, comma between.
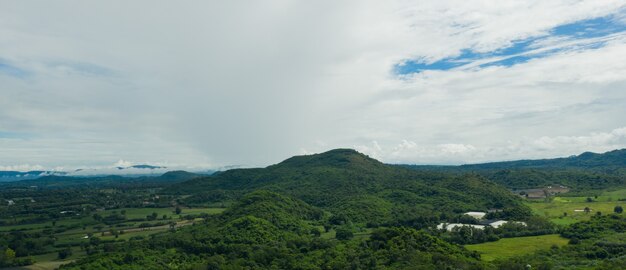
x: 208, y: 84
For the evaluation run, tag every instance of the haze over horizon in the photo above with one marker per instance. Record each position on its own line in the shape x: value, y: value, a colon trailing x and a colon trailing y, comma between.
x: 195, y: 85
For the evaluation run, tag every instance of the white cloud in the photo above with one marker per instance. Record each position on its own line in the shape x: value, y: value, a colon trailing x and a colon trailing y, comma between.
x: 211, y: 84
x: 123, y: 163
x: 21, y: 168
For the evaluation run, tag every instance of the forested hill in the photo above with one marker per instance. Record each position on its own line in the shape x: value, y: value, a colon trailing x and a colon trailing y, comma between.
x: 58, y: 182
x: 585, y: 171
x: 266, y: 230
x: 356, y: 187
x: 612, y: 159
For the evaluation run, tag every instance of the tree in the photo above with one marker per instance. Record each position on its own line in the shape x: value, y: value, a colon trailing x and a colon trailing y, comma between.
x: 589, y: 199
x: 587, y: 210
x: 344, y: 233
x: 316, y: 232
x: 618, y: 209
x: 63, y: 254
x: 153, y: 216
x: 178, y: 210
x: 172, y: 226
x: 9, y: 254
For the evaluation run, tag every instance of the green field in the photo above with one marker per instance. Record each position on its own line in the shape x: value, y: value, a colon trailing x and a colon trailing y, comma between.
x: 137, y: 213
x: 510, y: 247
x: 562, y: 210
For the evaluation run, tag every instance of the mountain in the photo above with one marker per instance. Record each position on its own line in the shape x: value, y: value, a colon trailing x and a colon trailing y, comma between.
x: 61, y: 181
x: 581, y: 172
x: 145, y: 166
x: 586, y: 160
x: 8, y: 176
x: 358, y: 188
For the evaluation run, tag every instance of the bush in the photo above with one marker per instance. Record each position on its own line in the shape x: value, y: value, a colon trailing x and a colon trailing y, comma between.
x: 65, y: 253
x: 344, y: 233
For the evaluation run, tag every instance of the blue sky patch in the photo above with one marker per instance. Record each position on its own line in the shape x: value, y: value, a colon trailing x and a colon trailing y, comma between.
x: 13, y: 135
x: 11, y: 70
x: 580, y: 35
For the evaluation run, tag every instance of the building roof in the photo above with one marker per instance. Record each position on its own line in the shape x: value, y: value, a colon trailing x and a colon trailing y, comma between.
x: 450, y: 226
x: 475, y: 214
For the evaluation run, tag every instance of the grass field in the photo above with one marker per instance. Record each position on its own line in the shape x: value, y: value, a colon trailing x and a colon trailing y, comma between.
x: 136, y: 213
x: 510, y: 247
x: 562, y: 210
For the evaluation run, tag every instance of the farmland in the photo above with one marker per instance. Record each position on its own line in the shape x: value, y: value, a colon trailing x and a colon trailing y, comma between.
x: 510, y: 247
x: 48, y: 229
x: 568, y: 210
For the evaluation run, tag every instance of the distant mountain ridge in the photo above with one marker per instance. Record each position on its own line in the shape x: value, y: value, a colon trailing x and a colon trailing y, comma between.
x: 6, y: 176
x: 615, y: 158
x: 585, y: 171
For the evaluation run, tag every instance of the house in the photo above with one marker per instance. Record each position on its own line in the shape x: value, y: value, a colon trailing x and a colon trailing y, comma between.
x: 497, y: 224
x: 10, y: 202
x: 476, y: 215
x: 451, y: 226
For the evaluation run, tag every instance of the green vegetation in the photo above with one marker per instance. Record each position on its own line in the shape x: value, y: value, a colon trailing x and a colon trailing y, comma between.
x: 358, y: 189
x: 569, y: 210
x: 258, y: 232
x: 584, y: 173
x: 336, y: 210
x: 511, y: 247
x: 49, y: 226
x: 599, y: 243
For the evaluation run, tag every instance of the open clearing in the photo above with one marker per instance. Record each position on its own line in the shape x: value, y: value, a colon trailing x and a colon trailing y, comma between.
x: 510, y: 247
x: 568, y: 210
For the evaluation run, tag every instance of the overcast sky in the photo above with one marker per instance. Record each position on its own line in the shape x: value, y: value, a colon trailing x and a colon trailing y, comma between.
x: 204, y: 84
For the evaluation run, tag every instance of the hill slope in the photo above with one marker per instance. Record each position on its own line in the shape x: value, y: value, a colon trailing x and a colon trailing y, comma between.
x: 258, y: 232
x: 581, y: 172
x: 358, y: 188
x: 612, y: 159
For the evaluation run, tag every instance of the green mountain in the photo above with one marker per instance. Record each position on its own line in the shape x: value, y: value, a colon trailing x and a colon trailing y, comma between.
x: 258, y: 232
x: 582, y: 172
x: 57, y: 181
x: 613, y: 159
x: 354, y: 187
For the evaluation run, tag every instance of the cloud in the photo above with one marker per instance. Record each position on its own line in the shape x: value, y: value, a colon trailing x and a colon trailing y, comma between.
x: 22, y: 168
x: 579, y: 35
x: 214, y: 84
x: 123, y: 163
x: 408, y: 152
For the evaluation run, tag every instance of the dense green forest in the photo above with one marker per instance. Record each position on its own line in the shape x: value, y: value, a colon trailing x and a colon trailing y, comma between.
x: 582, y: 172
x: 336, y: 210
x: 360, y: 189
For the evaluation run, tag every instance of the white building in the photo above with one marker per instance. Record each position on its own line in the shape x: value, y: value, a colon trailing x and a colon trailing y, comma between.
x: 476, y: 215
x: 499, y: 223
x: 451, y: 226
